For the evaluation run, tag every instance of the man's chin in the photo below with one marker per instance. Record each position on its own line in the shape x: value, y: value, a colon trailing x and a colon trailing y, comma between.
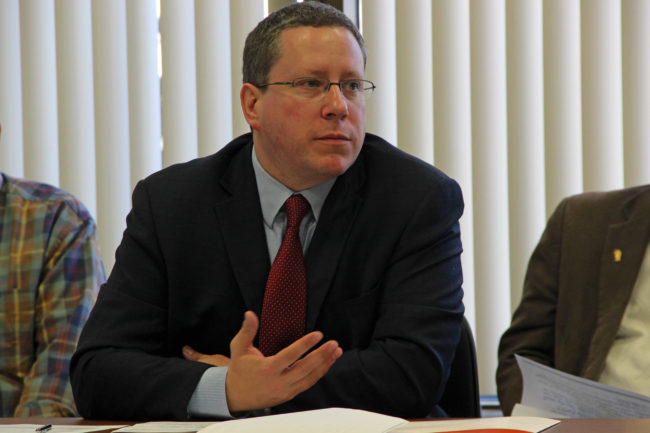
x: 336, y: 166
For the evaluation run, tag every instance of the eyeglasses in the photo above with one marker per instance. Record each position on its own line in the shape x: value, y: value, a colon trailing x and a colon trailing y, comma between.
x: 311, y: 87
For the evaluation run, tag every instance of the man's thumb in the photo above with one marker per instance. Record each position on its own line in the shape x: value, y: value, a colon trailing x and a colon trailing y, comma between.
x: 244, y: 338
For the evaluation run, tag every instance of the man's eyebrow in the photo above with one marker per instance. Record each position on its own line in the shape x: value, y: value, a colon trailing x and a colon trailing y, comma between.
x: 322, y: 73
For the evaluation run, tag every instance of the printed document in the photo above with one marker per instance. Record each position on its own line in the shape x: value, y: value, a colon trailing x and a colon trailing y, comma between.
x: 550, y: 392
x: 358, y: 421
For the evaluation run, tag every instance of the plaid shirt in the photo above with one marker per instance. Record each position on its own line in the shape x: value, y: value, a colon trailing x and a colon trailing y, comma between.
x: 50, y: 272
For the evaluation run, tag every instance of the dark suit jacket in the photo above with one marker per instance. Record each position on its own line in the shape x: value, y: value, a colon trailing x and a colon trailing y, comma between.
x: 575, y: 291
x: 383, y: 271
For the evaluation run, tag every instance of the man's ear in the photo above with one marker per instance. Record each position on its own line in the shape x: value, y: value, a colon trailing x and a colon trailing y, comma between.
x: 250, y: 97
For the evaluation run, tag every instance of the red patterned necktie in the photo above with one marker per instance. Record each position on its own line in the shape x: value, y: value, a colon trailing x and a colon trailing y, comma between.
x: 285, y: 298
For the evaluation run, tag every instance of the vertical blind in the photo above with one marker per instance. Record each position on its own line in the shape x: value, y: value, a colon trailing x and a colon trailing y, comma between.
x: 523, y: 102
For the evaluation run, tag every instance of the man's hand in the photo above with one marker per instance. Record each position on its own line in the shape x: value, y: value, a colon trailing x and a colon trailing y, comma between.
x: 257, y: 382
x: 193, y: 355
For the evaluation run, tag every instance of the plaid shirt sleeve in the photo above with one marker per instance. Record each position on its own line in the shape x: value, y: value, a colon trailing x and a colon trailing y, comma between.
x: 54, y: 276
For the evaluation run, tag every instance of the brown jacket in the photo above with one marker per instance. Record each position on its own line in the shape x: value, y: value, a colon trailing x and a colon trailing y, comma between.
x: 577, y: 286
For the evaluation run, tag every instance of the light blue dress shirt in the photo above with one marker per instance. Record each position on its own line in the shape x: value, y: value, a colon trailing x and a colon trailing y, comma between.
x: 209, y: 398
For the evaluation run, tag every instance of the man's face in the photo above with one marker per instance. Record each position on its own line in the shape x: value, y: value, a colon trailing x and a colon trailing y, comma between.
x: 305, y: 141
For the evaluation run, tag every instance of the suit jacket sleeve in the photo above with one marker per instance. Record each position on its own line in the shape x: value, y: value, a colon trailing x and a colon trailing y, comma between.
x: 532, y: 331
x: 403, y: 368
x: 131, y: 372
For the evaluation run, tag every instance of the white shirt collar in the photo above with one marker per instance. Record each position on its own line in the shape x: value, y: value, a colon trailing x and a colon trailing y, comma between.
x: 273, y: 194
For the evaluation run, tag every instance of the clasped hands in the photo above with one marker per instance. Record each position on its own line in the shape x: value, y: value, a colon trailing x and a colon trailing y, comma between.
x: 257, y: 382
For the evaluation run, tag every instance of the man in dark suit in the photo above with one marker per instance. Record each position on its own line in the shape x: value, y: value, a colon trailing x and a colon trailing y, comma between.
x: 582, y: 305
x: 381, y: 242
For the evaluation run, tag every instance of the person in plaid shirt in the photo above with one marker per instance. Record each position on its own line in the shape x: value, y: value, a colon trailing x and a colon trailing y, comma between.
x: 50, y: 273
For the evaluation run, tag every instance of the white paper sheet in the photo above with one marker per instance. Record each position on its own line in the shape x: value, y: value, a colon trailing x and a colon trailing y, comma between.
x: 312, y: 421
x: 521, y: 410
x: 24, y: 428
x: 526, y: 424
x: 570, y: 396
x: 165, y: 427
x: 359, y: 421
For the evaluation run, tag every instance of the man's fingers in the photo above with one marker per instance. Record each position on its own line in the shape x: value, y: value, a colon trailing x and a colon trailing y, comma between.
x: 297, y: 349
x: 193, y: 355
x: 244, y: 338
x: 219, y: 360
x: 255, y: 381
x: 303, y: 374
x: 316, y: 364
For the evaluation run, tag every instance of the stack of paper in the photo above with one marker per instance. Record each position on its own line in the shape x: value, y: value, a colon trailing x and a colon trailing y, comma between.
x: 312, y: 421
x: 31, y: 428
x: 552, y: 393
x: 165, y: 427
x: 359, y: 421
x: 482, y: 425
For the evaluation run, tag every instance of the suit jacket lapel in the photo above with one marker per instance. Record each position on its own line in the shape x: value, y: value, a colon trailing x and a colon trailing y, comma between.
x: 329, y: 239
x: 623, y: 252
x: 239, y: 217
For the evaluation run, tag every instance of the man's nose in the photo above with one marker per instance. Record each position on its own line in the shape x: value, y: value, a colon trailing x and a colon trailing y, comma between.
x: 336, y: 103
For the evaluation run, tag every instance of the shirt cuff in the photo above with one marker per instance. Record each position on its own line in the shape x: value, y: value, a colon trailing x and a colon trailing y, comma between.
x: 209, y: 397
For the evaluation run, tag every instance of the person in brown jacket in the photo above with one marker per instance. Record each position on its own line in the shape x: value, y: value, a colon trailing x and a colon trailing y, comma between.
x: 586, y: 296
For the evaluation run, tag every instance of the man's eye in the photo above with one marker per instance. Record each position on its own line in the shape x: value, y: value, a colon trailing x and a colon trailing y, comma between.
x: 309, y: 83
x: 354, y: 85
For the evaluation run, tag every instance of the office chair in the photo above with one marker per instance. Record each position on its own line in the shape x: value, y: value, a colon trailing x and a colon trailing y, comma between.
x: 461, y: 396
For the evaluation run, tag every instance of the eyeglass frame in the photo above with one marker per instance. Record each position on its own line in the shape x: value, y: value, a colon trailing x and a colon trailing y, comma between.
x: 326, y: 88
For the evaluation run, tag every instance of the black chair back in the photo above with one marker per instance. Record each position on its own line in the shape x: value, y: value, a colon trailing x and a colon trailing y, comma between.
x: 461, y: 397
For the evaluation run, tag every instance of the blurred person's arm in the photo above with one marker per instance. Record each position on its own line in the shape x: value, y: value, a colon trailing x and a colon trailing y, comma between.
x: 532, y: 332
x: 68, y: 284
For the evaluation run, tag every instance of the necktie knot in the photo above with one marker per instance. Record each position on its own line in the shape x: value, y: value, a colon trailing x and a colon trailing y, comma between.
x: 296, y: 207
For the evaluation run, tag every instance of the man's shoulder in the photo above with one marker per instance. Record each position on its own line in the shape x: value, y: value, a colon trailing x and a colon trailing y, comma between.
x: 611, y: 199
x: 22, y: 191
x: 386, y: 161
x: 593, y: 210
x: 377, y: 147
x: 198, y: 168
x: 392, y: 178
